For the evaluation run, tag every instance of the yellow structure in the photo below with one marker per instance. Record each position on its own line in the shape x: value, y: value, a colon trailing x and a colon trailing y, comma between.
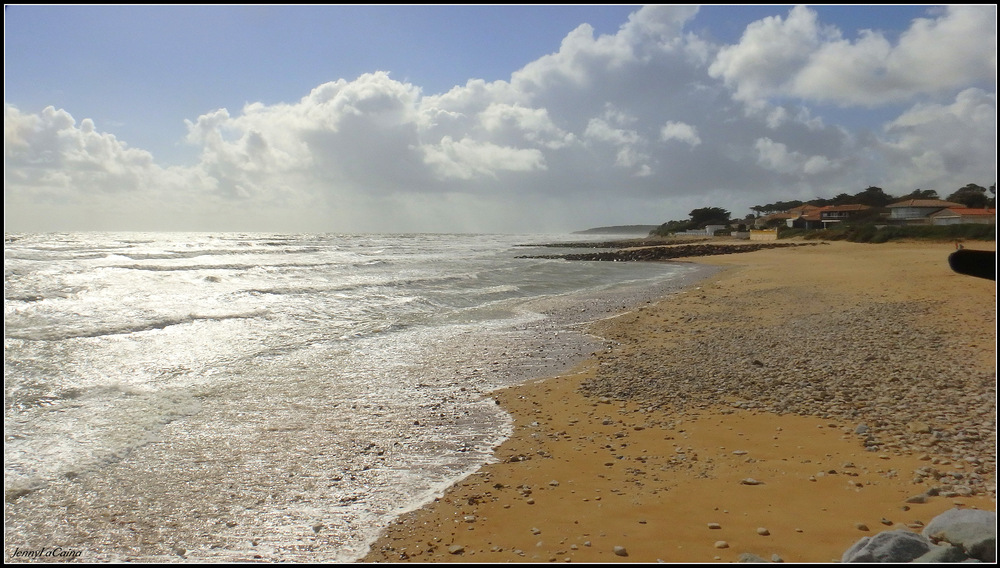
x: 764, y: 235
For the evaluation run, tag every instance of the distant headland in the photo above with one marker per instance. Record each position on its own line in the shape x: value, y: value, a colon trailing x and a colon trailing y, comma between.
x: 619, y: 230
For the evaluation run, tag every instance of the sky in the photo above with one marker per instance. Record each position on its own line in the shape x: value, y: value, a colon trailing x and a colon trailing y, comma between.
x: 481, y: 118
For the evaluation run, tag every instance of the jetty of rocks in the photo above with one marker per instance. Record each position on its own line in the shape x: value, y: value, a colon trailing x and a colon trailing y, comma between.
x: 651, y: 253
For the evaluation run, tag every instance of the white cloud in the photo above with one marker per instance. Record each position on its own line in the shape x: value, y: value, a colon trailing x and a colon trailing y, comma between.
x: 51, y: 152
x: 798, y: 56
x: 640, y: 126
x: 468, y: 159
x: 770, y: 53
x: 680, y: 131
x: 935, y: 146
x: 775, y: 156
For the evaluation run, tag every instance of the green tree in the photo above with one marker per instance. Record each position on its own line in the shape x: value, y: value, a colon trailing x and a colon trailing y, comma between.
x: 971, y: 195
x: 709, y: 216
x: 873, y: 197
x: 920, y: 194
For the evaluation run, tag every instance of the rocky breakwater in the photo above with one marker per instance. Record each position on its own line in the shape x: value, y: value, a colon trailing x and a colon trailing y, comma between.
x: 652, y: 253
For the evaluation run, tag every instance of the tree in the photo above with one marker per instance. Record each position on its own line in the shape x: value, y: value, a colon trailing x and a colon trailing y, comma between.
x: 842, y: 199
x: 709, y: 216
x: 972, y: 195
x: 873, y: 197
x: 920, y: 194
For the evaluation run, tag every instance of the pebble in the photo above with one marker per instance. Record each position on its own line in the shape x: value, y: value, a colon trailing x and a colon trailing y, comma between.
x: 714, y: 526
x: 620, y: 551
x: 859, y: 369
x: 721, y: 544
x: 763, y: 531
x: 456, y: 549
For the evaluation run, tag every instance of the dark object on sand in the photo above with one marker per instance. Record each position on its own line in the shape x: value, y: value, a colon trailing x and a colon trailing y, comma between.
x: 978, y: 263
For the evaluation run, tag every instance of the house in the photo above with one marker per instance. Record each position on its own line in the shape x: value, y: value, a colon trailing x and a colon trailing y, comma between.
x: 918, y: 211
x: 812, y: 217
x: 833, y: 214
x: 788, y: 218
x: 960, y: 215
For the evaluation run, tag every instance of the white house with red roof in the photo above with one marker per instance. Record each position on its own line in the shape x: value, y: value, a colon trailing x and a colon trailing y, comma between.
x: 960, y: 215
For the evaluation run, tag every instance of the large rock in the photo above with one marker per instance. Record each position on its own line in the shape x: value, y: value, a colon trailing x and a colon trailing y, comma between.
x: 890, y: 546
x: 946, y: 553
x: 972, y: 530
x: 952, y: 516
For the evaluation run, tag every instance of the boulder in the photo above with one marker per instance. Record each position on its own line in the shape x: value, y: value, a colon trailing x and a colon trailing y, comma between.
x: 953, y: 516
x: 890, y: 546
x: 972, y: 530
x: 945, y: 553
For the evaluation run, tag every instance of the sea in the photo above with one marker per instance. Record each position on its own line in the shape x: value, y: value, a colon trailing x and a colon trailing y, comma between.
x: 230, y: 397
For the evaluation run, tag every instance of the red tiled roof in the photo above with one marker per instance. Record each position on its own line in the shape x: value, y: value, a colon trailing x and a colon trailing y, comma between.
x: 852, y: 207
x: 970, y: 212
x: 925, y: 203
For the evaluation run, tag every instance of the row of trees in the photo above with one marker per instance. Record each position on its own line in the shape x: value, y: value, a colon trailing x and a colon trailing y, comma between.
x: 971, y: 195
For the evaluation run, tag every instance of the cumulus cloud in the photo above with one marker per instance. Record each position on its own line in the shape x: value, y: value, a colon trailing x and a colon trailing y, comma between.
x: 639, y: 126
x: 798, y: 56
x: 777, y: 157
x: 930, y: 146
x: 681, y: 132
x: 50, y: 152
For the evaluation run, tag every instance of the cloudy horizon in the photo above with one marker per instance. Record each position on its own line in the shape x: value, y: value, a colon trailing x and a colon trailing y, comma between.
x: 637, y: 117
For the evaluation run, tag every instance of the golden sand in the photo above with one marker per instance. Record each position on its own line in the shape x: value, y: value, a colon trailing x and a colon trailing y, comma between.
x: 584, y: 479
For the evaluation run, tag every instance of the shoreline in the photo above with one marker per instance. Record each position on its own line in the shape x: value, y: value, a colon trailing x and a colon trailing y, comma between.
x: 673, y: 477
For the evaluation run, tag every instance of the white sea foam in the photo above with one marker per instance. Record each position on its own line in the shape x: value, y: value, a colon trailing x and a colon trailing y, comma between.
x: 269, y: 384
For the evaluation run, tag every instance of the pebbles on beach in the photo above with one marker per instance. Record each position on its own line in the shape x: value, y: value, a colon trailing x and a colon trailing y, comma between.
x: 899, y: 387
x: 885, y: 383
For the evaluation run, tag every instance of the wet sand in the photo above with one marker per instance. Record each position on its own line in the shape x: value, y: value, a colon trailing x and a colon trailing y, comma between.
x: 708, y: 476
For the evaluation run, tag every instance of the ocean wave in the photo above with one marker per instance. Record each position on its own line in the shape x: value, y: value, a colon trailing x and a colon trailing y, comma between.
x: 26, y: 333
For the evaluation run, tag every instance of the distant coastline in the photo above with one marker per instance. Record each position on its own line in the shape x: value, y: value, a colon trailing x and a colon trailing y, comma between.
x: 618, y: 230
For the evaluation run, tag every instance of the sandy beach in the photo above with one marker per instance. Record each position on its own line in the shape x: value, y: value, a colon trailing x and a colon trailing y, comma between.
x: 789, y: 405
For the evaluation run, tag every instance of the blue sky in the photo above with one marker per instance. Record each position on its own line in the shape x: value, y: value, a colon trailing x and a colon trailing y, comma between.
x: 494, y: 118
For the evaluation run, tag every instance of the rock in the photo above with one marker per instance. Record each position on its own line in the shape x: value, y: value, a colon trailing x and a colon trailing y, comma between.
x: 750, y: 558
x: 750, y: 481
x: 890, y: 546
x: 721, y: 544
x: 456, y: 549
x: 952, y: 516
x: 977, y: 540
x: 714, y: 526
x: 620, y: 551
x: 763, y: 531
x: 972, y: 530
x: 944, y: 553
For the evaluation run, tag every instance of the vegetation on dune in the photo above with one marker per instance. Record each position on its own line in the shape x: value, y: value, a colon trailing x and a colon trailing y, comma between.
x: 868, y: 226
x: 869, y: 233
